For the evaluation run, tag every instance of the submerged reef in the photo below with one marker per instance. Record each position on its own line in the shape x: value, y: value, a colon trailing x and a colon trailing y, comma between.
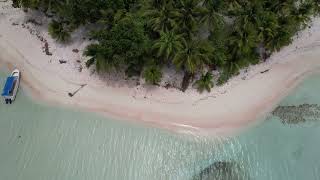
x: 297, y: 114
x: 222, y: 171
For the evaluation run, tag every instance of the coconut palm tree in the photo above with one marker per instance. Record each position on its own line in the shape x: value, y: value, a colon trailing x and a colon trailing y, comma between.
x: 161, y: 19
x: 24, y: 3
x: 35, y: 4
x: 211, y: 17
x: 191, y: 58
x: 218, y: 5
x: 168, y: 44
x: 110, y: 17
x: 317, y: 6
x: 267, y: 28
x: 283, y: 34
x: 242, y: 40
x: 152, y: 74
x: 205, y: 82
x: 302, y: 14
x: 219, y: 40
x: 234, y: 6
x: 249, y: 14
x: 100, y: 56
x: 156, y: 4
x: 188, y: 18
x: 282, y: 8
x: 241, y: 49
x: 227, y: 72
x: 58, y: 31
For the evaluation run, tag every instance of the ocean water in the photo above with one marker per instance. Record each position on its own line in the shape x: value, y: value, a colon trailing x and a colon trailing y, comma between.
x: 42, y: 142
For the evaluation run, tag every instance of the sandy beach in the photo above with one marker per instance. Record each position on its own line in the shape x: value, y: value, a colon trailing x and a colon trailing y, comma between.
x: 240, y: 102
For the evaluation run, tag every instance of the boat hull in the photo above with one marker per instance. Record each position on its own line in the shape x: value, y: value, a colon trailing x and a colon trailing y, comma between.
x: 10, y: 98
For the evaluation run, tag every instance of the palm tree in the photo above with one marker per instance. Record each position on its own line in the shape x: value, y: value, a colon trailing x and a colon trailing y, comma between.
x: 282, y: 8
x: 152, y: 74
x: 317, y: 6
x: 234, y: 6
x: 24, y: 3
x: 110, y: 16
x: 241, y: 47
x: 303, y: 13
x: 267, y: 28
x: 156, y: 4
x: 230, y: 68
x: 188, y: 17
x: 242, y: 40
x: 193, y: 56
x: 205, y: 82
x: 58, y: 31
x: 168, y: 44
x: 35, y: 4
x: 161, y: 19
x: 249, y: 14
x: 283, y: 34
x: 101, y: 57
x: 210, y: 16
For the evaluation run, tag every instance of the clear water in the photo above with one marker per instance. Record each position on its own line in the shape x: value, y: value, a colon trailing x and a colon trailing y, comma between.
x: 41, y: 142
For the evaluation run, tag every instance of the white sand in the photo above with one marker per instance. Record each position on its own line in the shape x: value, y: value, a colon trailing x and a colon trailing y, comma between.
x: 240, y: 102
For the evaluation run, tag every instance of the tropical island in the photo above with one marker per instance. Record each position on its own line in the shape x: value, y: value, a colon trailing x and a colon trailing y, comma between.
x: 140, y: 37
x: 163, y: 51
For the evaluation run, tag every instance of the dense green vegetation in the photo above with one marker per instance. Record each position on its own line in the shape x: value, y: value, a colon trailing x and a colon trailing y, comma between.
x: 204, y: 83
x: 58, y: 32
x: 192, y: 35
x: 152, y: 74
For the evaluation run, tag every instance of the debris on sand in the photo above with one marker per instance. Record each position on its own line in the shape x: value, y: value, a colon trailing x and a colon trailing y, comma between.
x: 75, y: 92
x: 264, y: 71
x: 46, y: 49
x: 75, y: 50
x: 33, y: 21
x: 61, y: 61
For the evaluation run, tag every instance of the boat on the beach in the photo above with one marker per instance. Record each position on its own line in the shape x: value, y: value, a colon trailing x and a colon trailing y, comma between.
x: 11, y: 86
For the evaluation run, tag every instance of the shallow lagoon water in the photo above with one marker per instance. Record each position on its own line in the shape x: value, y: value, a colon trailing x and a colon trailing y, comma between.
x: 42, y: 142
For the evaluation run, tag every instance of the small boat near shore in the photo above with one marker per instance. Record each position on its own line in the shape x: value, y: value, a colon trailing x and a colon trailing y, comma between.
x: 11, y: 87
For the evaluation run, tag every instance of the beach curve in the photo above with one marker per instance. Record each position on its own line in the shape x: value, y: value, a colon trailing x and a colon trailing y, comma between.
x: 226, y: 109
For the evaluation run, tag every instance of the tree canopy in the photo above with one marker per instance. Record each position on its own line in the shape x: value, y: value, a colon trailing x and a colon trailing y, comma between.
x: 192, y: 35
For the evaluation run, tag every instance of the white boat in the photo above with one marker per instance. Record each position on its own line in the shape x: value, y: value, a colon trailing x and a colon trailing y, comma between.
x: 11, y: 87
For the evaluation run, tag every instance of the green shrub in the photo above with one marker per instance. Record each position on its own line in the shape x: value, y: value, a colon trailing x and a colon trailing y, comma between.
x: 205, y: 82
x: 58, y: 31
x: 152, y: 75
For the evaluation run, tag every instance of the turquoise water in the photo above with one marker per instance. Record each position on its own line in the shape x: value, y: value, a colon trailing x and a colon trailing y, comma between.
x: 41, y: 142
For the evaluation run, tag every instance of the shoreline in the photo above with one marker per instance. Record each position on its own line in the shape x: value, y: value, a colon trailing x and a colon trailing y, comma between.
x: 231, y: 107
x: 187, y: 126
